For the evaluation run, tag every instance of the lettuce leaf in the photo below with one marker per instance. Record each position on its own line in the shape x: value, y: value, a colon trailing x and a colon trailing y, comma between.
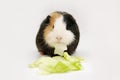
x: 57, y: 64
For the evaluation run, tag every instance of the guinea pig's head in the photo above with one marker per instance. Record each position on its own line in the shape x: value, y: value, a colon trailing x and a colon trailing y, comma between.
x: 57, y: 31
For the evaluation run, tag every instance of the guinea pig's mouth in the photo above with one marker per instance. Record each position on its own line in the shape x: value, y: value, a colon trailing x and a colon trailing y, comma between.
x: 59, y: 42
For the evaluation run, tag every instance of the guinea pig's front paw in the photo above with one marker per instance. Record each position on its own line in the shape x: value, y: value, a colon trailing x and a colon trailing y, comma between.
x: 41, y: 53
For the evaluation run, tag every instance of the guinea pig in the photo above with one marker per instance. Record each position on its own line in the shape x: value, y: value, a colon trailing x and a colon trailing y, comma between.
x: 59, y: 28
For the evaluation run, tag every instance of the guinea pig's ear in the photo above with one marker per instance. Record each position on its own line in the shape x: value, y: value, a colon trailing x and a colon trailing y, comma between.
x: 69, y: 19
x: 47, y: 20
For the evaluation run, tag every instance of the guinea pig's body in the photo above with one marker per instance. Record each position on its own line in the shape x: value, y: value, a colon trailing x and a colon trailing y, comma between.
x: 59, y: 28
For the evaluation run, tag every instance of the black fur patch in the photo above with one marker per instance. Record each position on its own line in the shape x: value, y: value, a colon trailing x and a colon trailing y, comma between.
x: 73, y: 27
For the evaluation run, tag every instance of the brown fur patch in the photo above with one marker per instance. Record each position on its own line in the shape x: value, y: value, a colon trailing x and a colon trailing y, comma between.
x: 53, y: 17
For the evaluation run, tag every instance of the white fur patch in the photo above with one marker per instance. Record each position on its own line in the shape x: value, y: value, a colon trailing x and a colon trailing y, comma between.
x: 59, y: 30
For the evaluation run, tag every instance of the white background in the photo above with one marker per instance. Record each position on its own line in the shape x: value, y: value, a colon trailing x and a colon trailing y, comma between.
x: 99, y: 23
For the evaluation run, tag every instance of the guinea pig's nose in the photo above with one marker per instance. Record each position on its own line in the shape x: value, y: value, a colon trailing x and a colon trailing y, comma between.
x: 58, y: 37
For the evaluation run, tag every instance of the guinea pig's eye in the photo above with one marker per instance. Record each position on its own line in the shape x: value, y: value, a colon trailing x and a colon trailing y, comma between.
x: 53, y: 26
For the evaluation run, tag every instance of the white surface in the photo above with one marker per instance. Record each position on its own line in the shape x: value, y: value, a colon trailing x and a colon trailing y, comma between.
x: 99, y: 22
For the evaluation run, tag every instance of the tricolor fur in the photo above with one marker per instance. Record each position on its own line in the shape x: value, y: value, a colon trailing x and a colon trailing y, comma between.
x: 57, y: 28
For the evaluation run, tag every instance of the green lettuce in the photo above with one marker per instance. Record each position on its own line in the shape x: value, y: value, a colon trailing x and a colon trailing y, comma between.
x: 57, y: 64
